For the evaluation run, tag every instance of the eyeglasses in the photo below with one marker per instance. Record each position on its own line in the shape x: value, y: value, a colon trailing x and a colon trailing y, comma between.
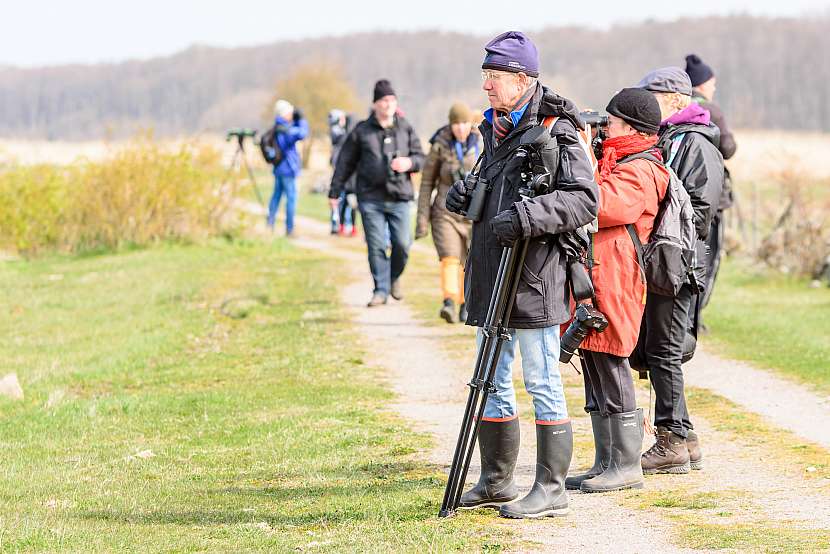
x: 490, y: 75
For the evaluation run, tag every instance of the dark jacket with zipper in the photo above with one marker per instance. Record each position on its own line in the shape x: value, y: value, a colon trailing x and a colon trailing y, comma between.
x: 542, y: 299
x: 699, y: 164
x: 367, y: 152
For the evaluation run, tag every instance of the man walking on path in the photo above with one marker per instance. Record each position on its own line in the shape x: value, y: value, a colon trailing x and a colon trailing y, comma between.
x: 518, y: 103
x: 383, y: 151
x: 703, y: 92
x: 289, y: 128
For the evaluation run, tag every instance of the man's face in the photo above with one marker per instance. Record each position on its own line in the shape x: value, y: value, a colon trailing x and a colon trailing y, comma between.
x: 617, y: 127
x: 707, y: 89
x: 503, y: 88
x: 386, y: 106
x: 461, y: 130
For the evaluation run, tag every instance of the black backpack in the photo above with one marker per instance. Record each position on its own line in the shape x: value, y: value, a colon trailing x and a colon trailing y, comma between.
x: 270, y: 148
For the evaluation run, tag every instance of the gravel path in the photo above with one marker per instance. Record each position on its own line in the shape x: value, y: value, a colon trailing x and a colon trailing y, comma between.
x: 431, y: 390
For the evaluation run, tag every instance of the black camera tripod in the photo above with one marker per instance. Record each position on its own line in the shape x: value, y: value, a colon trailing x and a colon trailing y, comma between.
x: 481, y: 385
x: 239, y: 158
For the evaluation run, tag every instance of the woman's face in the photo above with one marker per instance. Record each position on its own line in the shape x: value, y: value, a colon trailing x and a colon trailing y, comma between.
x: 617, y: 127
x: 461, y: 130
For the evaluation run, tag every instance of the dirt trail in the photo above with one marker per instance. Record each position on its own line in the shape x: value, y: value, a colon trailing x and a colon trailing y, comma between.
x: 431, y: 391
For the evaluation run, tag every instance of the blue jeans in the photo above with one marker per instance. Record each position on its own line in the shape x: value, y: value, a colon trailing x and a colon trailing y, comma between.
x: 288, y: 187
x: 540, y: 367
x: 377, y: 217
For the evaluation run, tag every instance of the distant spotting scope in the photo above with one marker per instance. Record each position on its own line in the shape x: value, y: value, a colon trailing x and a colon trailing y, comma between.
x: 240, y: 133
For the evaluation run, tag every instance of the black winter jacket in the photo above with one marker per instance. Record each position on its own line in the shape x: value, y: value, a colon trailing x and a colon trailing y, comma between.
x: 542, y: 299
x: 699, y: 164
x: 367, y: 152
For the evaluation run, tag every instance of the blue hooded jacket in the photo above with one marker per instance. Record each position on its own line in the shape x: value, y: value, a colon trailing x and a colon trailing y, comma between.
x: 287, y: 139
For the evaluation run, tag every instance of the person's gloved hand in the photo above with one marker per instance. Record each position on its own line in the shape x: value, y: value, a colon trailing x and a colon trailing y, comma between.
x: 298, y: 115
x: 456, y: 198
x: 507, y: 227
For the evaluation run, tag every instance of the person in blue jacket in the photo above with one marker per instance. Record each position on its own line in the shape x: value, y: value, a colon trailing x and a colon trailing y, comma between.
x: 289, y: 128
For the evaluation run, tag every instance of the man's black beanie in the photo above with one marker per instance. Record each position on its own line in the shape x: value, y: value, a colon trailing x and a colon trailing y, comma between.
x: 637, y: 107
x: 698, y: 71
x: 383, y: 88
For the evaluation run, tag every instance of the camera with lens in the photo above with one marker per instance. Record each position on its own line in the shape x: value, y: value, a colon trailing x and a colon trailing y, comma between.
x: 598, y: 123
x: 586, y: 319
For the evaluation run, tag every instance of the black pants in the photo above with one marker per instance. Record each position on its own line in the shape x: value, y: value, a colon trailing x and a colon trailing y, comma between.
x: 662, y: 335
x: 714, y: 246
x: 609, y: 386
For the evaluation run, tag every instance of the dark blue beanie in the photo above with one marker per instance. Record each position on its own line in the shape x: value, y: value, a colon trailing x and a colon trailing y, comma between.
x: 698, y: 71
x: 512, y: 51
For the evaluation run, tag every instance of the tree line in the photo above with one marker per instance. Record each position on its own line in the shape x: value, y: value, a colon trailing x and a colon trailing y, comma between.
x: 772, y: 73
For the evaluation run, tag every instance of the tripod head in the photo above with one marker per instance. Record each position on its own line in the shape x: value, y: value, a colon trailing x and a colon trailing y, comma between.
x: 239, y: 134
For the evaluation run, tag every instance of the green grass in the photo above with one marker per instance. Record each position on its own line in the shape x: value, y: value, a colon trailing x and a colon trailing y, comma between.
x: 772, y: 321
x: 204, y: 398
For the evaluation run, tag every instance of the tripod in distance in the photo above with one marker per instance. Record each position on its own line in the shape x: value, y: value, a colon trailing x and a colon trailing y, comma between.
x: 239, y: 158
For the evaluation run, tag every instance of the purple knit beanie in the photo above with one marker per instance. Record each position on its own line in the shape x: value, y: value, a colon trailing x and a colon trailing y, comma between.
x: 512, y: 51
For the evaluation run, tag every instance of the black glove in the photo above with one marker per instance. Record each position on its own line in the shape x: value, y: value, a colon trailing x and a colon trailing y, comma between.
x: 457, y: 198
x: 298, y: 115
x: 507, y: 227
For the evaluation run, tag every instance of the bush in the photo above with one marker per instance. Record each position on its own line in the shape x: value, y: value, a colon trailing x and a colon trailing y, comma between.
x: 142, y: 194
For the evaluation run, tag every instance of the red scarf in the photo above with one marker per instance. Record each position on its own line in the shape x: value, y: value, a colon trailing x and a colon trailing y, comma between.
x: 613, y: 149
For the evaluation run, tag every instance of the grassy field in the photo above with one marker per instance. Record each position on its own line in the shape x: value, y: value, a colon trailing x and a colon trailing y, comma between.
x: 773, y: 321
x: 203, y: 398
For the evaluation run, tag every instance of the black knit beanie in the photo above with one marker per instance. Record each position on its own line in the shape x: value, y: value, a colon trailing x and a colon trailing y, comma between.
x: 698, y: 71
x: 383, y: 88
x: 637, y: 107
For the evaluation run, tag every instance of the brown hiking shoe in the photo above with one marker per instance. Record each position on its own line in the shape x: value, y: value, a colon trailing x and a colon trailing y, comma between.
x: 695, y: 455
x: 669, y: 454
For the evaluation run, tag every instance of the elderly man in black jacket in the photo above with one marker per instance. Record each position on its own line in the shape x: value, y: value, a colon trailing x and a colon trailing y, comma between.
x: 382, y: 151
x: 518, y: 102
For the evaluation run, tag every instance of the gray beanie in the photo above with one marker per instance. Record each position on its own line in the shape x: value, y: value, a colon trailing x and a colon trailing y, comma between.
x: 667, y: 79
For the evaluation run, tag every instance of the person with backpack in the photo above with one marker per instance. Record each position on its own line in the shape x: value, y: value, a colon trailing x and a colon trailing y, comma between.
x: 383, y: 151
x: 519, y: 103
x: 688, y: 142
x: 632, y: 182
x: 703, y: 92
x: 344, y: 217
x: 279, y: 147
x: 453, y: 153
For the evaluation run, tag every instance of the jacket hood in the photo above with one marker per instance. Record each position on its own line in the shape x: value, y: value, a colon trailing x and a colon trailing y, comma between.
x: 694, y: 113
x: 551, y: 104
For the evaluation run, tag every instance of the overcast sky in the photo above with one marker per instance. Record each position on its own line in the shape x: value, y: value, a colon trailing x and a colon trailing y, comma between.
x: 47, y: 32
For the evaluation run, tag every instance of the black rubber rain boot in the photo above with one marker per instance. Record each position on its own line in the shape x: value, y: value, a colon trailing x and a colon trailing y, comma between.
x: 625, y: 470
x: 602, y: 451
x: 498, y: 445
x: 554, y: 448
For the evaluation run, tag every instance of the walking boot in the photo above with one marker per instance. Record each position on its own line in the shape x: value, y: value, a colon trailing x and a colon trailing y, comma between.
x: 624, y: 470
x: 554, y: 448
x: 602, y: 451
x: 448, y: 311
x: 695, y: 455
x: 462, y: 313
x: 397, y: 291
x: 378, y: 298
x: 669, y: 454
x: 498, y: 445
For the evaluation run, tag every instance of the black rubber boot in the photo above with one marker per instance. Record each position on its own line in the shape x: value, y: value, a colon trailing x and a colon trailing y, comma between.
x: 624, y: 471
x: 498, y: 445
x: 554, y: 448
x: 602, y: 451
x: 447, y: 312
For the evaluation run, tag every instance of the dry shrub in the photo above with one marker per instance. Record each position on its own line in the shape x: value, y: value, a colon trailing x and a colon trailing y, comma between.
x: 140, y: 195
x: 799, y: 241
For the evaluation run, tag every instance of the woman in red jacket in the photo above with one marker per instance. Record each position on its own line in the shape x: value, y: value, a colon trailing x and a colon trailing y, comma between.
x: 631, y: 188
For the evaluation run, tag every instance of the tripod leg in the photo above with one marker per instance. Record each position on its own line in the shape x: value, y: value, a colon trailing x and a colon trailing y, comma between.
x: 251, y: 177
